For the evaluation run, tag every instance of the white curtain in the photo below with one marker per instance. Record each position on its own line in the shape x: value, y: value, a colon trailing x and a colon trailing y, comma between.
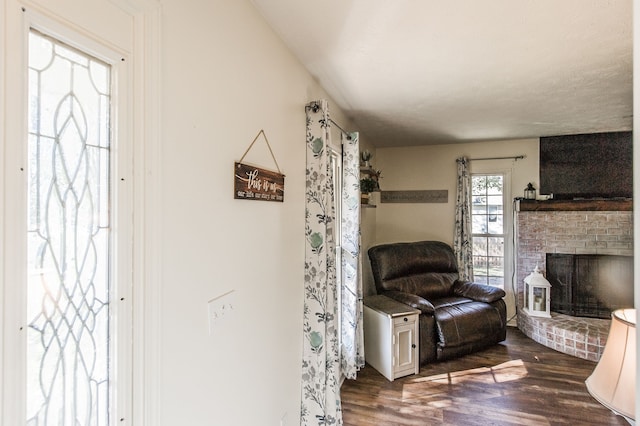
x: 329, y: 351
x: 462, y: 239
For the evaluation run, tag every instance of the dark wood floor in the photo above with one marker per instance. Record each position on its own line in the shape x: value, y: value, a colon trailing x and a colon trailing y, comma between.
x: 518, y: 382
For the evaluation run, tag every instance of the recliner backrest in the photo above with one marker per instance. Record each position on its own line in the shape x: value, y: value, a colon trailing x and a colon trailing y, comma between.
x: 425, y: 268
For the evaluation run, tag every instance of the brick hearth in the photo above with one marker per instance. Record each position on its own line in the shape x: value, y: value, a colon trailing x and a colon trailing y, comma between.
x: 581, y: 337
x: 574, y: 232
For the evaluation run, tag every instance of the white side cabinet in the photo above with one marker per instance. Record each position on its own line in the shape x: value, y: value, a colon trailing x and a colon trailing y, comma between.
x: 391, y: 337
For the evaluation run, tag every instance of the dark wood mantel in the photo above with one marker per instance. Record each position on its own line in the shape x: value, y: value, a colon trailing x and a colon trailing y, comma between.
x: 575, y: 205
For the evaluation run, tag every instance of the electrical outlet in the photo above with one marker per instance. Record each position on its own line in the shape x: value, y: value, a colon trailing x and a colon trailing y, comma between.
x: 221, y: 309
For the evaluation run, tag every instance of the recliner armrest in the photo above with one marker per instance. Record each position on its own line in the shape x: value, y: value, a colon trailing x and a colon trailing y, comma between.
x: 412, y: 300
x: 478, y: 292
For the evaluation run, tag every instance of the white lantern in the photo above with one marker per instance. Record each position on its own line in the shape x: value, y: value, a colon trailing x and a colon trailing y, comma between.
x: 537, y: 302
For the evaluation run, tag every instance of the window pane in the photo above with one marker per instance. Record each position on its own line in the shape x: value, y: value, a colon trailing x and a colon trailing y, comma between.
x: 496, y: 225
x: 478, y: 185
x: 479, y: 207
x: 479, y: 246
x: 495, y: 201
x: 495, y: 185
x: 479, y: 224
x: 495, y: 266
x: 68, y: 237
x: 495, y: 246
x: 479, y: 266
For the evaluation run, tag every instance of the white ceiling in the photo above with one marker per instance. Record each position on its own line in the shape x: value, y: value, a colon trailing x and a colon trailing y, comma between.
x: 413, y: 72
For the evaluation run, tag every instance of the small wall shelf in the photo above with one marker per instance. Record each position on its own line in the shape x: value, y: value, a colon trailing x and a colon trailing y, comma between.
x: 369, y: 172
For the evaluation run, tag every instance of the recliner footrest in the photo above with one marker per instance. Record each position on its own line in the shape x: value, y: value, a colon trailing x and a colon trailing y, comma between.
x: 460, y: 322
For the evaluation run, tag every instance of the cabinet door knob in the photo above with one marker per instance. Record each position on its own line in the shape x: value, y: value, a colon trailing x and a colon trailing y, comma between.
x: 406, y: 319
x: 413, y: 345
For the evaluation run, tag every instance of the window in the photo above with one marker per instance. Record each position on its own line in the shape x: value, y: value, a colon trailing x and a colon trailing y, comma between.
x: 69, y: 288
x: 488, y: 228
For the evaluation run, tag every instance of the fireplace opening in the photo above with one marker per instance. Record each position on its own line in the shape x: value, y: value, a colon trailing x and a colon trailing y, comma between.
x: 590, y: 285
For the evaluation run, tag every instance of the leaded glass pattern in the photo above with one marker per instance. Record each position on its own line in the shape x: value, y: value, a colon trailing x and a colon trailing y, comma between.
x: 68, y: 361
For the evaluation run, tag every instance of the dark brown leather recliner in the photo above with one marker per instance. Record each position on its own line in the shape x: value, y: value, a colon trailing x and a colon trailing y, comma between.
x: 457, y: 317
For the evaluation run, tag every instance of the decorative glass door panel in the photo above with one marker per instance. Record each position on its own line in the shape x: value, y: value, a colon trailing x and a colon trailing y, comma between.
x: 68, y: 294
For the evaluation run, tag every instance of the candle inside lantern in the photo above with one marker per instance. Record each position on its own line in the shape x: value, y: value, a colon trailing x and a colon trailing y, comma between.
x: 537, y: 303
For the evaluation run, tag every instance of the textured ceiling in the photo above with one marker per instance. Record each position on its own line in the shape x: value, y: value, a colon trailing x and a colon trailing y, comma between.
x: 413, y: 72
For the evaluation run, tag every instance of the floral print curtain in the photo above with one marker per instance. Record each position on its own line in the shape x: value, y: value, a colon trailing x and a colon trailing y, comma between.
x: 352, y: 342
x: 329, y: 351
x: 462, y: 238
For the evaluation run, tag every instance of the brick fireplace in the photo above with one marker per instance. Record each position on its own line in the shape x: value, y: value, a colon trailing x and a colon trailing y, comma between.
x: 572, y: 227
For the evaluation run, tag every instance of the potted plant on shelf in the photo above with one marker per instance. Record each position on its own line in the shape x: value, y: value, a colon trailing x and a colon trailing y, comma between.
x: 365, y: 158
x: 367, y: 186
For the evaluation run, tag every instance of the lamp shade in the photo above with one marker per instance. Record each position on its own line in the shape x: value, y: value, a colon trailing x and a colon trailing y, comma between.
x: 613, y: 381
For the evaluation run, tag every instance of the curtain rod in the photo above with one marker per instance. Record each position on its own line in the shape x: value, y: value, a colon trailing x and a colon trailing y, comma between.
x: 315, y: 106
x: 341, y: 129
x: 516, y: 157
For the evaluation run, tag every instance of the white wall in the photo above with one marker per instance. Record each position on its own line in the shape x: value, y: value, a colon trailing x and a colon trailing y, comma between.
x: 434, y: 168
x: 225, y: 77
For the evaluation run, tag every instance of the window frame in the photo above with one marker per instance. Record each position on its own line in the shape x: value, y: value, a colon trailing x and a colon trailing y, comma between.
x: 489, y: 234
x: 121, y: 201
x: 487, y: 168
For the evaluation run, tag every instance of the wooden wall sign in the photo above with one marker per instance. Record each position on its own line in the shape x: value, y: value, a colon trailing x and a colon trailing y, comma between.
x: 254, y: 183
x: 428, y: 196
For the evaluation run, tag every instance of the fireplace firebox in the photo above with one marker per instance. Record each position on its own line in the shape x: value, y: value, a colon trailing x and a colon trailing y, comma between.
x: 590, y: 285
